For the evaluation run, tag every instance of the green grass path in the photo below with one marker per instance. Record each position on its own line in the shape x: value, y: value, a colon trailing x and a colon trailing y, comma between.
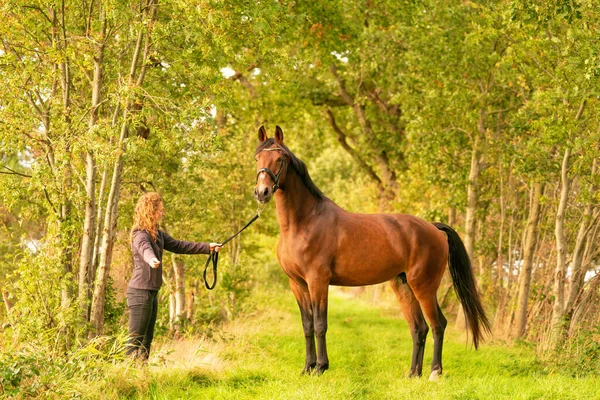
x: 369, y: 351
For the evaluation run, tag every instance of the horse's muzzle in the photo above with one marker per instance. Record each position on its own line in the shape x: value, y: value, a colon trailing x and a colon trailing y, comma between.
x: 263, y: 193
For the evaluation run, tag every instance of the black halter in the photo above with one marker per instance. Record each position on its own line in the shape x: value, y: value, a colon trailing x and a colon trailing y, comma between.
x: 271, y: 173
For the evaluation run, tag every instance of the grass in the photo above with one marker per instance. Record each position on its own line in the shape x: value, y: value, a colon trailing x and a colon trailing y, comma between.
x: 261, y: 356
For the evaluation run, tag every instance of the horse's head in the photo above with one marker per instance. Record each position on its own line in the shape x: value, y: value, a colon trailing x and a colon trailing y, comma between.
x: 271, y: 163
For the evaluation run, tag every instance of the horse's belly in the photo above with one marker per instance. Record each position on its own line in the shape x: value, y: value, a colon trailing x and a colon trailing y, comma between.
x: 368, y: 271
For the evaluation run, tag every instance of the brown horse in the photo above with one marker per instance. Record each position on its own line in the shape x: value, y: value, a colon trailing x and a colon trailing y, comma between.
x: 321, y: 244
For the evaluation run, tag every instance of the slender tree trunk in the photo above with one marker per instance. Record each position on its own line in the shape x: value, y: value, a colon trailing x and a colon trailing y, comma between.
x: 471, y: 212
x: 588, y: 298
x: 179, y: 272
x: 528, y: 253
x: 472, y: 200
x: 89, y: 225
x: 452, y: 216
x: 510, y: 250
x: 7, y: 303
x: 499, y: 258
x: 578, y: 272
x: 99, y: 220
x: 172, y: 311
x: 500, y: 325
x: 589, y: 255
x: 98, y: 232
x: 559, y: 324
x: 561, y: 254
x: 87, y: 242
x: 59, y: 43
x: 189, y: 305
x: 108, y: 235
x: 512, y: 287
x: 110, y: 220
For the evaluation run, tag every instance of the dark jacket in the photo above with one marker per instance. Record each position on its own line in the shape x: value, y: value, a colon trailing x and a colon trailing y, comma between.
x: 144, y: 249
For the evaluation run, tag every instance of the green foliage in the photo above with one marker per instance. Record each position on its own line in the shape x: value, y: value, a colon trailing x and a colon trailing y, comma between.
x: 580, y: 356
x: 113, y: 310
x: 34, y: 372
x: 19, y: 373
x: 38, y: 316
x: 415, y: 88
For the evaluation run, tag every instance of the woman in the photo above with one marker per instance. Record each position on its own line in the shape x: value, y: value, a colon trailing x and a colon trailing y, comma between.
x: 147, y: 245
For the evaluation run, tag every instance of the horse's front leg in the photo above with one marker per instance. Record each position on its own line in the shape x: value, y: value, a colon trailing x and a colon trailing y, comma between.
x: 301, y: 292
x: 319, y: 289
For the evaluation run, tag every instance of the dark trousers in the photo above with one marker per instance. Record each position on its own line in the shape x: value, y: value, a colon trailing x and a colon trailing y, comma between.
x: 143, y: 305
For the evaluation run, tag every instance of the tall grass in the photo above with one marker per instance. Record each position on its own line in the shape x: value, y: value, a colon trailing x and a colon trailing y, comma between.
x: 261, y: 356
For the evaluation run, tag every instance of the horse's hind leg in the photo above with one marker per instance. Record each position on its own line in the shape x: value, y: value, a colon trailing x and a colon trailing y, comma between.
x: 413, y: 314
x: 438, y: 323
x: 302, y: 295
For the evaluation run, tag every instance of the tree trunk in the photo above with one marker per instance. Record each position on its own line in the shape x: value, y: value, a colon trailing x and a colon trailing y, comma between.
x: 470, y: 219
x: 578, y: 272
x: 110, y: 219
x: 528, y: 253
x: 179, y: 272
x: 500, y: 323
x: 561, y: 255
x: 472, y: 200
x: 172, y: 311
x: 510, y: 251
x: 589, y: 255
x: 189, y: 304
x: 98, y: 233
x: 499, y: 258
x: 452, y: 216
x: 512, y: 287
x: 89, y: 225
x: 584, y: 304
x: 108, y: 235
x: 59, y: 43
x: 7, y: 303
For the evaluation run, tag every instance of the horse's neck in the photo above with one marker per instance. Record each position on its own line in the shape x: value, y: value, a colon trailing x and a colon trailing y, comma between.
x: 294, y: 203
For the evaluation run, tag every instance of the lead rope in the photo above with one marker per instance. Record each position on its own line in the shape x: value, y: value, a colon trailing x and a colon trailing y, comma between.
x: 214, y: 255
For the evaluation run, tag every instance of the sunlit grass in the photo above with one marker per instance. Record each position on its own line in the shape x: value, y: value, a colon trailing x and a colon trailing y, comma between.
x: 261, y: 357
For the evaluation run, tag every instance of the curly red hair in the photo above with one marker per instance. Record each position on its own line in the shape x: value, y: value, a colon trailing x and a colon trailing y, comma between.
x: 148, y: 213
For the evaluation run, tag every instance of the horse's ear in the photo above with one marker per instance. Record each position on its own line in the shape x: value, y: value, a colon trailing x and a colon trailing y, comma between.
x: 278, y: 135
x: 262, y: 134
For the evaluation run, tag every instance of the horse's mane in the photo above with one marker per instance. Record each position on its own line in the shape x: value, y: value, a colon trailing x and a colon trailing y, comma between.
x: 298, y: 166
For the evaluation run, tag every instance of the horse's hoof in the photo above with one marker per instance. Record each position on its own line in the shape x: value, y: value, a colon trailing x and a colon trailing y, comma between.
x: 435, y: 376
x: 414, y: 374
x: 321, y: 368
x: 308, y: 370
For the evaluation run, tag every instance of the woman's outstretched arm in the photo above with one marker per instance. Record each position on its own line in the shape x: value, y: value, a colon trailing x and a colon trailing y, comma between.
x: 183, y: 247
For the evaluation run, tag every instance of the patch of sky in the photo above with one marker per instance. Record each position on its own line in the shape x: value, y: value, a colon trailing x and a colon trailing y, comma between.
x: 343, y: 56
x: 26, y: 158
x: 32, y: 245
x: 227, y: 72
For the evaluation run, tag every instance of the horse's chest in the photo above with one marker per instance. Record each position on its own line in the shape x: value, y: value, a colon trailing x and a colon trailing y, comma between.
x: 297, y: 252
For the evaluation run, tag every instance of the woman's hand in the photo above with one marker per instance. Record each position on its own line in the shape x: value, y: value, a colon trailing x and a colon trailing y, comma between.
x: 154, y: 263
x: 215, y: 247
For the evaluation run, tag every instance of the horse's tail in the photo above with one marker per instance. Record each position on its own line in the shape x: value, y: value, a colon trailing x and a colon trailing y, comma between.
x: 464, y: 285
